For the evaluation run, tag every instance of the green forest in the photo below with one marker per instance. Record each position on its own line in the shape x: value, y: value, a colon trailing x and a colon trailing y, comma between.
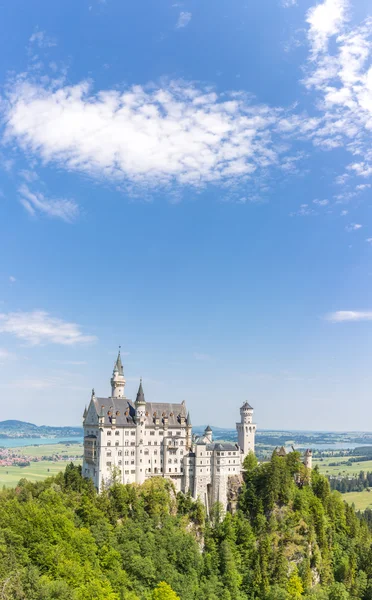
x: 291, y: 538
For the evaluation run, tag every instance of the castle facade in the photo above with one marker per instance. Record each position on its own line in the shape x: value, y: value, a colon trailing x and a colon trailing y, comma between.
x: 133, y: 441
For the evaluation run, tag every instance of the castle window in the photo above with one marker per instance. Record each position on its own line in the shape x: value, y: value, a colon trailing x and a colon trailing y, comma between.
x: 155, y: 443
x: 109, y: 443
x: 132, y: 433
x: 119, y: 462
x: 152, y: 432
x: 169, y: 460
x: 133, y: 471
x: 178, y: 433
x: 116, y: 443
x: 126, y: 443
x: 127, y: 462
x: 117, y: 432
x: 127, y: 472
x: 175, y: 470
x: 161, y: 432
x: 181, y: 442
x: 108, y: 464
x: 133, y: 443
x: 132, y: 462
x: 132, y: 452
x: 126, y: 452
x: 108, y: 453
x: 126, y: 432
x: 109, y: 433
x: 149, y: 442
x: 155, y: 451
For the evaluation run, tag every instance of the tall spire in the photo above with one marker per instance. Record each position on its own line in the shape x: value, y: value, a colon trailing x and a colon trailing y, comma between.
x: 188, y: 420
x: 117, y: 379
x: 118, y: 365
x: 140, y: 395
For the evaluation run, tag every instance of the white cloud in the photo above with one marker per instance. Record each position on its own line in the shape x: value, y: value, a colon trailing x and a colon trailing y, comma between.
x: 353, y: 227
x: 176, y: 133
x: 325, y: 20
x: 344, y: 213
x: 12, y: 279
x: 289, y: 3
x: 37, y: 203
x: 304, y: 211
x: 184, y: 19
x: 363, y: 186
x: 321, y: 202
x: 369, y: 240
x: 38, y: 327
x: 342, y: 79
x: 341, y: 316
x: 40, y: 39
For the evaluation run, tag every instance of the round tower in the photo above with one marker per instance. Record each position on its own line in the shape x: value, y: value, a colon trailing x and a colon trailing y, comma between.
x: 246, y: 429
x: 208, y: 434
x: 308, y: 459
x: 117, y: 379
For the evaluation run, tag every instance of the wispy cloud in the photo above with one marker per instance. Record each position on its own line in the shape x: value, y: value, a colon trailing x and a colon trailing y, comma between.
x: 341, y: 316
x: 321, y: 202
x: 304, y: 211
x: 12, y: 279
x: 39, y: 327
x: 353, y: 227
x: 36, y: 203
x: 369, y: 240
x: 176, y: 133
x: 42, y: 40
x: 288, y: 3
x: 183, y: 19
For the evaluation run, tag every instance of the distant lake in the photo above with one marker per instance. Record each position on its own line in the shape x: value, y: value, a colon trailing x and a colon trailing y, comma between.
x: 18, y: 442
x: 335, y: 446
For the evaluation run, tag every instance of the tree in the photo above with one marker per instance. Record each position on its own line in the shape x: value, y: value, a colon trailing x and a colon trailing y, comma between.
x: 163, y: 591
x: 338, y: 591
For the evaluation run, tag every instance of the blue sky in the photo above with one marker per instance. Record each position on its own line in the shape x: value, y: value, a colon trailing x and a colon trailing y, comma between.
x: 191, y: 180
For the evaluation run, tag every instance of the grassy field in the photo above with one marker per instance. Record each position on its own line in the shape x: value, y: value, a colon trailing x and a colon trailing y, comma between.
x: 9, y: 476
x: 342, y: 469
x: 361, y: 500
x: 50, y: 449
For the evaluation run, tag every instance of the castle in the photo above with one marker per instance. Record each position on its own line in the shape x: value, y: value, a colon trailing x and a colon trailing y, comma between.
x: 133, y: 441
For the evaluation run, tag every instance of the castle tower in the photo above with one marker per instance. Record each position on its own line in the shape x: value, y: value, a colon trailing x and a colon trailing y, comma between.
x: 117, y: 379
x: 308, y: 459
x: 188, y: 432
x: 140, y: 407
x: 208, y: 434
x: 246, y: 429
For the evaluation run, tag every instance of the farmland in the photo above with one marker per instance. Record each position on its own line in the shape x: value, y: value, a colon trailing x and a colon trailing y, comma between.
x: 45, y: 460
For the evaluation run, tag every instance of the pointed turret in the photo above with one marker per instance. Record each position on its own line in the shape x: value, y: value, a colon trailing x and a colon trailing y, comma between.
x: 140, y: 395
x: 117, y: 379
x: 188, y: 420
x: 118, y: 365
x: 85, y: 413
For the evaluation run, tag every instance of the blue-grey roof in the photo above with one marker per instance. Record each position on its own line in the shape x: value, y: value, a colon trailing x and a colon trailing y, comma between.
x: 124, y: 412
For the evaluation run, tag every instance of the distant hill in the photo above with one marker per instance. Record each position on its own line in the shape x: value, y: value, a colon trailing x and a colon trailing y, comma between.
x: 13, y: 428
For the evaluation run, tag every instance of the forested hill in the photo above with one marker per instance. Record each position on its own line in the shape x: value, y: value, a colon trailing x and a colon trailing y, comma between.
x: 289, y: 540
x: 13, y: 428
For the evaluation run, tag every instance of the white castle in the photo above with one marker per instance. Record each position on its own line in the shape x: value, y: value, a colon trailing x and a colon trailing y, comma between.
x: 132, y: 441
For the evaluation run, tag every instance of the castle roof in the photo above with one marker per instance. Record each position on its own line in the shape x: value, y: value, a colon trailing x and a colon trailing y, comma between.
x: 247, y: 405
x: 208, y: 428
x: 118, y: 365
x: 124, y: 411
x: 281, y: 451
x: 140, y: 395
